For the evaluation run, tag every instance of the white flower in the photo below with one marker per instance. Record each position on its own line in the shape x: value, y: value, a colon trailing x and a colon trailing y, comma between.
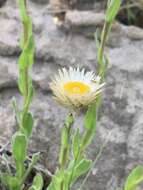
x: 75, y: 88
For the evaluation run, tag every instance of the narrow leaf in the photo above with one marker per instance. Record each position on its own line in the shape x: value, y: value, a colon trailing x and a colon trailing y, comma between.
x: 16, y: 110
x: 19, y: 147
x: 28, y: 124
x: 35, y: 158
x: 11, y: 182
x: 64, y: 145
x: 90, y: 125
x: 23, y: 60
x: 21, y: 84
x: 90, y: 118
x: 19, y: 152
x: 134, y: 179
x: 69, y: 120
x: 76, y: 144
x: 56, y: 181
x: 37, y: 183
x: 113, y: 8
x: 22, y: 9
x: 82, y: 167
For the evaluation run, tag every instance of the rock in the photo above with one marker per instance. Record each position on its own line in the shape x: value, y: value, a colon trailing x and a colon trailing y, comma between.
x: 7, y: 79
x: 2, y: 2
x: 134, y: 33
x: 9, y: 39
x: 84, y: 18
x: 120, y: 118
x: 41, y: 1
x: 78, y: 18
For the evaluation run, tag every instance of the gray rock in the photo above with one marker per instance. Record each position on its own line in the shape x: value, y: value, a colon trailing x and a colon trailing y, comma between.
x: 41, y: 1
x: 121, y: 112
x: 2, y: 2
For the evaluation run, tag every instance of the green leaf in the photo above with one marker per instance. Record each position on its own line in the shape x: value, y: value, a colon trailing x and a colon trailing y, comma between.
x: 64, y: 145
x: 28, y: 24
x: 35, y: 158
x: 65, y: 137
x: 90, y: 125
x: 16, y: 110
x: 22, y: 9
x: 112, y: 10
x: 87, y: 138
x: 27, y: 55
x: 30, y: 92
x: 103, y: 68
x: 23, y: 60
x: 37, y: 183
x: 81, y: 168
x: 54, y: 185
x: 90, y: 118
x: 19, y: 152
x: 28, y: 124
x: 69, y: 121
x: 19, y: 147
x: 57, y: 180
x: 76, y: 144
x: 30, y: 50
x: 21, y: 84
x: 134, y: 179
x: 97, y: 37
x: 11, y: 182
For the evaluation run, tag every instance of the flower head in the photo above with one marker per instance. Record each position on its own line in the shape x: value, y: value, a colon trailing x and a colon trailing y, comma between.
x: 75, y: 88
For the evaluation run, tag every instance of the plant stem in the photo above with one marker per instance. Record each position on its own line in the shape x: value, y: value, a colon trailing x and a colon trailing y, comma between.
x: 25, y: 2
x: 27, y: 173
x: 64, y: 158
x: 26, y: 76
x: 75, y: 162
x: 66, y: 145
x: 104, y: 35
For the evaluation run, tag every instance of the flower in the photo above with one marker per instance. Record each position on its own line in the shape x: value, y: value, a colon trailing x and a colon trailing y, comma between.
x: 75, y: 88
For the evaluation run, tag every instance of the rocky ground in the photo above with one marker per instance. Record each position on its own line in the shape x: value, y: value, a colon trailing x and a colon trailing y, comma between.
x: 122, y: 111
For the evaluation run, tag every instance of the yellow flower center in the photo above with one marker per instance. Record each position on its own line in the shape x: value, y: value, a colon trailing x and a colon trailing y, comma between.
x: 76, y: 88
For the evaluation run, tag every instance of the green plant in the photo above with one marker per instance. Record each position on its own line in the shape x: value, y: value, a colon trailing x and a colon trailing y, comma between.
x: 134, y: 179
x: 72, y: 160
x: 25, y: 122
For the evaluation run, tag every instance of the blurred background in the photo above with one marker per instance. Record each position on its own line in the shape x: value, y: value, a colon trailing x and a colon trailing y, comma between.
x: 69, y: 41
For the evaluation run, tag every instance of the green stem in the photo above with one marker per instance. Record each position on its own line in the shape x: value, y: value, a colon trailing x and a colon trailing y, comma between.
x: 27, y: 172
x: 63, y: 163
x: 26, y: 85
x: 75, y: 162
x: 25, y: 2
x: 64, y: 158
x: 104, y: 35
x: 66, y: 141
x: 26, y: 69
x: 26, y: 76
x: 65, y: 145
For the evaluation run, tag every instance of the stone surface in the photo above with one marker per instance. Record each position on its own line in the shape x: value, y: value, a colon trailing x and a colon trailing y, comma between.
x: 2, y: 2
x: 40, y: 1
x: 121, y: 116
